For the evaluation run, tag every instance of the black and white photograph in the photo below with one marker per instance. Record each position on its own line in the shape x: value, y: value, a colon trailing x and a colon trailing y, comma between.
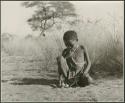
x: 62, y: 51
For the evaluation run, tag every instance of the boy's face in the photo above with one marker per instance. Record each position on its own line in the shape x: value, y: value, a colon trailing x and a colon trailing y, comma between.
x: 70, y: 43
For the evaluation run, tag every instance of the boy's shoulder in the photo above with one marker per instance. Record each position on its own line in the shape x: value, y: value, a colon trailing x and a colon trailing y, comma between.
x: 82, y: 47
x: 67, y: 51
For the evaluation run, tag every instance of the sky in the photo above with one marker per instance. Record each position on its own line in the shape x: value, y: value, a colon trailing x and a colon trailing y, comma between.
x: 14, y: 16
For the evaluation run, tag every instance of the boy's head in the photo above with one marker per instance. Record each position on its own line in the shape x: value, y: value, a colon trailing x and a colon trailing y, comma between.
x: 70, y: 38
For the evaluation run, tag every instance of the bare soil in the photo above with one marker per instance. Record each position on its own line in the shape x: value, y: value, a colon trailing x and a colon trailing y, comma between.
x: 24, y: 79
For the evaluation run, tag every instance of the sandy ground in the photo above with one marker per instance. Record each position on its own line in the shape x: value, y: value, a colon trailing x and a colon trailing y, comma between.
x: 23, y: 79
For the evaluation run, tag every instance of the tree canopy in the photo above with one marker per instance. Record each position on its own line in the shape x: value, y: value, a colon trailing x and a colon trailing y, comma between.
x: 48, y: 13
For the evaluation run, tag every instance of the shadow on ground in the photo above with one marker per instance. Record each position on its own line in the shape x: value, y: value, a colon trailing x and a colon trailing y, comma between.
x: 34, y: 81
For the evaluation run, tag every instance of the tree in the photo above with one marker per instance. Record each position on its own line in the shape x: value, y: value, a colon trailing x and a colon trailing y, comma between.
x: 48, y: 13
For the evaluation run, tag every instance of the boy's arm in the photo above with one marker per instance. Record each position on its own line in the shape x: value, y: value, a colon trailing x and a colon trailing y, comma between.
x: 88, y: 61
x: 67, y: 53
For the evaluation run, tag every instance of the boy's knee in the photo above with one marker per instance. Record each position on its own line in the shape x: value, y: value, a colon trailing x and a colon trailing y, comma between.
x: 58, y: 58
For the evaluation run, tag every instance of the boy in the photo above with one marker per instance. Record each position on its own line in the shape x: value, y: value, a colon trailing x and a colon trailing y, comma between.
x: 74, y: 64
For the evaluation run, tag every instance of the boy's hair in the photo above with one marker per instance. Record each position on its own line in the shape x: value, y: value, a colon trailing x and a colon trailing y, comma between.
x: 70, y: 35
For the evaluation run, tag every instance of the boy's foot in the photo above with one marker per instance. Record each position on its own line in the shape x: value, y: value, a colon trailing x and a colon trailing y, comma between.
x: 61, y: 85
x: 66, y: 86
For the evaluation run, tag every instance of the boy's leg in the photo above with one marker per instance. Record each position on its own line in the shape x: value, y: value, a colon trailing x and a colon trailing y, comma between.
x: 90, y: 79
x: 61, y: 80
x: 62, y: 70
